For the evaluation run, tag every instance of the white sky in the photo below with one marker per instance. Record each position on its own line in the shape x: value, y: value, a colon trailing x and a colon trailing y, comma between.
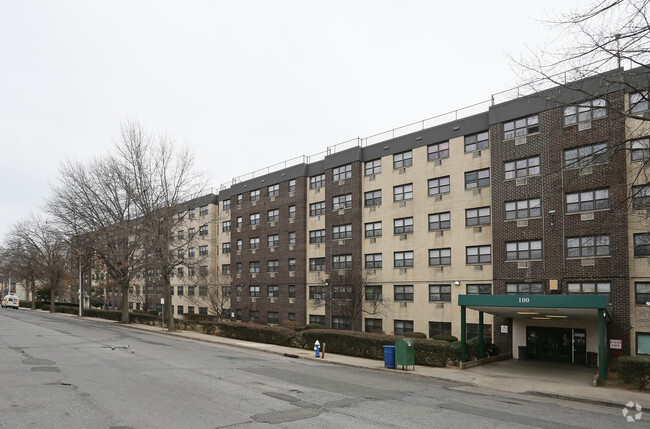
x: 245, y: 83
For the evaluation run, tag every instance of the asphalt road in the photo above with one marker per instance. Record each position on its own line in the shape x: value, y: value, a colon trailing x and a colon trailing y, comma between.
x: 62, y: 372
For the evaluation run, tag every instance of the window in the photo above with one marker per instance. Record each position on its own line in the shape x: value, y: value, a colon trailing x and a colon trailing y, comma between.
x: 272, y: 317
x: 642, y: 293
x: 342, y: 202
x: 273, y: 266
x: 274, y: 190
x: 203, y: 250
x: 254, y: 242
x: 372, y: 167
x: 254, y: 267
x: 317, y: 236
x: 524, y: 250
x: 292, y: 264
x: 524, y: 288
x: 641, y: 197
x: 477, y: 141
x: 373, y: 260
x: 254, y: 219
x: 190, y: 290
x: 587, y: 200
x: 181, y: 234
x: 292, y: 185
x: 522, y: 168
x: 438, y: 151
x: 642, y: 244
x: 253, y: 315
x: 240, y: 198
x: 225, y: 269
x: 439, y: 185
x: 589, y: 288
x: 403, y: 225
x: 316, y: 264
x: 226, y: 226
x: 341, y: 262
x: 403, y: 326
x: 179, y: 309
x: 523, y: 209
x: 273, y: 291
x: 203, y: 310
x: 642, y: 343
x: 479, y: 290
x: 255, y: 195
x: 239, y: 290
x: 203, y: 270
x: 253, y: 291
x: 586, y: 111
x: 341, y: 323
x: 226, y: 206
x: 203, y: 230
x: 292, y: 238
x: 180, y: 272
x: 238, y: 267
x: 191, y: 232
x: 373, y: 198
x: 640, y: 149
x: 478, y: 254
x: 373, y: 229
x: 438, y: 221
x: 438, y: 257
x: 477, y: 179
x: 478, y: 216
x: 292, y: 291
x: 274, y: 215
x: 639, y: 102
x: 403, y: 293
x: 586, y: 155
x: 342, y: 172
x: 190, y: 272
x: 240, y: 222
x: 403, y: 259
x: 225, y: 248
x: 404, y: 159
x: 317, y: 292
x: 316, y: 209
x: 440, y: 293
x: 180, y: 253
x: 472, y: 330
x: 239, y: 244
x: 274, y: 240
x: 403, y: 192
x: 191, y: 213
x: 203, y: 210
x: 317, y: 181
x: 521, y: 127
x: 179, y: 290
x: 191, y: 252
x: 373, y: 326
x: 439, y: 328
x: 316, y: 320
x: 373, y: 293
x: 292, y: 212
x: 580, y: 247
x: 340, y: 232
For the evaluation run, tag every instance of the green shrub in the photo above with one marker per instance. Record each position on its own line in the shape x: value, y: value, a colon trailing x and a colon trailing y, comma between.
x: 103, y: 314
x: 445, y: 337
x: 634, y: 370
x: 152, y: 312
x: 145, y: 319
x: 310, y: 326
x: 415, y: 335
x: 289, y: 324
x: 195, y: 317
x: 260, y: 333
x: 472, y: 349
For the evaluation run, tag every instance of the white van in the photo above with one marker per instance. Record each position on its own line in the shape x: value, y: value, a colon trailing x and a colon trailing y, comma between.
x: 10, y: 301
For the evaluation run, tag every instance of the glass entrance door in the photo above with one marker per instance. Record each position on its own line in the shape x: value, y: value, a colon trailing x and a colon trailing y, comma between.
x: 557, y: 344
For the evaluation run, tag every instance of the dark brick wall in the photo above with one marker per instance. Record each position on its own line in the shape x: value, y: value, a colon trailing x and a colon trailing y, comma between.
x: 553, y: 138
x: 282, y: 253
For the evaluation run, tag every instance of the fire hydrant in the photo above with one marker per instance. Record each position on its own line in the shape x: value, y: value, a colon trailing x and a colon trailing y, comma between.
x: 317, y: 348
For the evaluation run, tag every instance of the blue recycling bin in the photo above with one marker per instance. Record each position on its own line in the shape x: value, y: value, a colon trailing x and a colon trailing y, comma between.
x: 389, y: 357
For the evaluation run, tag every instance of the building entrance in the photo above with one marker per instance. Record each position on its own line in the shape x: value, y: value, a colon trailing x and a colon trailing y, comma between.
x: 557, y: 344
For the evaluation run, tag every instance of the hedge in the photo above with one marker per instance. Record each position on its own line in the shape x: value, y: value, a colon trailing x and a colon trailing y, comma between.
x: 445, y: 337
x: 260, y: 333
x: 415, y: 335
x: 634, y: 370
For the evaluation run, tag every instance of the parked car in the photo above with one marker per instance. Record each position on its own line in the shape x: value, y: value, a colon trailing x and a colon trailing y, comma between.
x: 10, y: 301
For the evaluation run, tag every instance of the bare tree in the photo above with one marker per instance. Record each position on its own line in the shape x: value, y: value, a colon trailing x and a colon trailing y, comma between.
x: 214, y: 293
x: 45, y: 245
x: 165, y: 185
x: 18, y: 262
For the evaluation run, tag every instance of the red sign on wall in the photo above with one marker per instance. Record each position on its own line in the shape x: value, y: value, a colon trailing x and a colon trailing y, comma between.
x: 615, y: 344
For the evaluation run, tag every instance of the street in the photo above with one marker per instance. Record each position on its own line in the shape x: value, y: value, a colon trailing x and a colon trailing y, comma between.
x: 62, y: 372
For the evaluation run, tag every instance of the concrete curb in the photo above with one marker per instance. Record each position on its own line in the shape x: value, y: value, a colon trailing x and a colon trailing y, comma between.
x: 576, y: 399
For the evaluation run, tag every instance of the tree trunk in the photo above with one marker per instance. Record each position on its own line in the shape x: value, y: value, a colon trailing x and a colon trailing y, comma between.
x: 169, y: 308
x: 52, y: 295
x: 33, y: 291
x: 124, y: 286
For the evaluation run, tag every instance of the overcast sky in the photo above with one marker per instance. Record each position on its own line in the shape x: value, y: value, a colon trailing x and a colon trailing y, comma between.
x: 245, y: 83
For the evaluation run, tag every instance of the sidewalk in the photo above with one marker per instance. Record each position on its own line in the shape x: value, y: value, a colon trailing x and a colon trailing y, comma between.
x: 506, y: 376
x: 551, y: 380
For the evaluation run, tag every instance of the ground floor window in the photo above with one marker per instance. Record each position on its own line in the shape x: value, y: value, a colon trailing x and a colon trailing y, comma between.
x: 253, y: 315
x: 203, y: 310
x: 374, y: 326
x: 316, y: 320
x: 643, y: 343
x: 439, y: 328
x: 179, y: 310
x: 339, y: 322
x: 642, y: 293
x: 292, y: 317
x: 273, y: 317
x: 472, y: 330
x: 403, y: 326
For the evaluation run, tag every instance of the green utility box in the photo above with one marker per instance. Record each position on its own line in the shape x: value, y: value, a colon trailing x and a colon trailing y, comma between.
x: 404, y: 353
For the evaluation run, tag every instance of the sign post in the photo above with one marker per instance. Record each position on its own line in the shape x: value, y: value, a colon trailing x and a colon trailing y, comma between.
x: 162, y: 302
